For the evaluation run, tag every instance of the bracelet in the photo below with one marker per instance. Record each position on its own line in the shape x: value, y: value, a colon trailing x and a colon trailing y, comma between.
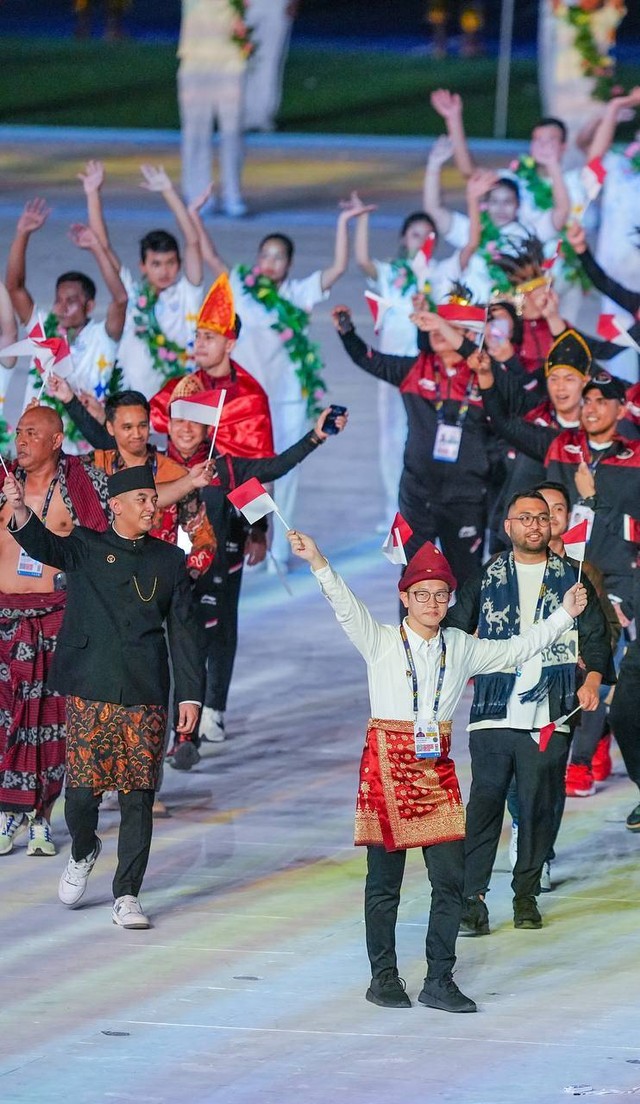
x: 315, y: 440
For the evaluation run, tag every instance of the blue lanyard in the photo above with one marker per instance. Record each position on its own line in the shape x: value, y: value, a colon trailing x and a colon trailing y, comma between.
x: 414, y: 676
x: 439, y: 401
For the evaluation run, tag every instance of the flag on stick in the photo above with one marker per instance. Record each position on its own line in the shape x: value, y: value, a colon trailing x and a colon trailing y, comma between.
x: 204, y: 407
x: 378, y: 307
x: 575, y: 540
x: 612, y: 327
x: 547, y: 731
x: 420, y: 262
x: 398, y: 535
x: 254, y: 502
x: 50, y: 354
x: 593, y: 177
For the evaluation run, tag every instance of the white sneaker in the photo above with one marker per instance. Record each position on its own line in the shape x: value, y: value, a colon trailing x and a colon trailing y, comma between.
x: 40, y: 841
x: 212, y: 726
x: 74, y: 880
x: 110, y: 801
x: 513, y: 845
x: 545, y: 879
x: 11, y: 824
x: 127, y: 913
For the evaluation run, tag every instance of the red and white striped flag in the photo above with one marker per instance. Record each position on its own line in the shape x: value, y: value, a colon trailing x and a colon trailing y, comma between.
x: 549, y: 262
x: 593, y: 177
x: 205, y: 407
x: 575, y: 540
x: 631, y: 528
x: 399, y: 533
x: 547, y: 731
x: 252, y: 500
x: 378, y: 307
x: 50, y: 354
x: 422, y: 259
x: 612, y: 327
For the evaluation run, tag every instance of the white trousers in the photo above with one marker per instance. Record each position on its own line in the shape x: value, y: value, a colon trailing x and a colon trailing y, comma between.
x: 289, y: 421
x: 392, y: 429
x: 272, y: 31
x: 206, y: 98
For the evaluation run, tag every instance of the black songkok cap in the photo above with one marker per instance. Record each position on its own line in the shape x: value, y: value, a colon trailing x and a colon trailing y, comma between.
x: 610, y: 386
x: 569, y: 350
x: 139, y: 478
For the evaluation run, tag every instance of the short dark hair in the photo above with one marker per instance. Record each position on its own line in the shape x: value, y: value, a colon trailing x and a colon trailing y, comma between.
x: 551, y: 120
x: 417, y: 216
x: 549, y: 485
x: 86, y: 283
x: 533, y: 493
x: 125, y: 398
x: 158, y: 241
x: 507, y: 182
x: 284, y: 240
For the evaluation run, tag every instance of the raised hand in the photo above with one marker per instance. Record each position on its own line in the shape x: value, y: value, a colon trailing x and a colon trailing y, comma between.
x: 342, y: 319
x: 93, y: 405
x: 447, y: 104
x: 83, y: 236
x: 306, y: 548
x: 441, y: 150
x: 576, y: 236
x: 35, y: 214
x: 426, y: 320
x: 202, y: 474
x: 584, y: 481
x: 354, y: 207
x: 13, y: 491
x: 58, y: 388
x: 155, y: 179
x: 480, y: 182
x: 575, y: 600
x: 198, y: 203
x: 92, y: 178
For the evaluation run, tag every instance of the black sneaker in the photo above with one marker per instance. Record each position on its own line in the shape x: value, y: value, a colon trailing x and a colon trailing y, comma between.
x: 633, y: 820
x: 388, y: 991
x: 475, y: 917
x: 185, y: 756
x: 443, y: 993
x: 525, y: 913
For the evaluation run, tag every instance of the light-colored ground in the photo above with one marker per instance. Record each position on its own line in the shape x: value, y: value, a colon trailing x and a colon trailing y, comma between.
x: 250, y: 985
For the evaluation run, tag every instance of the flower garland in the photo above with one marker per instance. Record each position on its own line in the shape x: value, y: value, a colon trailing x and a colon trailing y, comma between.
x: 492, y: 243
x: 594, y: 64
x: 404, y: 279
x: 291, y: 323
x: 542, y: 194
x: 167, y: 357
x: 632, y: 155
x: 242, y: 34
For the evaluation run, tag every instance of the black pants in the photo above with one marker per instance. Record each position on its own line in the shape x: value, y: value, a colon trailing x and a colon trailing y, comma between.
x: 445, y: 866
x: 81, y: 809
x: 458, y: 526
x: 588, y: 734
x: 218, y: 610
x: 625, y: 711
x: 496, y: 755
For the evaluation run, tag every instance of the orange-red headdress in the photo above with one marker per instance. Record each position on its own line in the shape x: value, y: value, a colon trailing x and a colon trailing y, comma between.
x: 217, y: 313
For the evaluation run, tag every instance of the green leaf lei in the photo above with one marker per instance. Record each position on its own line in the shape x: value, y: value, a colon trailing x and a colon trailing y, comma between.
x: 594, y: 64
x: 291, y: 323
x: 542, y: 194
x: 167, y: 357
x: 242, y: 36
x: 404, y: 279
x: 492, y: 242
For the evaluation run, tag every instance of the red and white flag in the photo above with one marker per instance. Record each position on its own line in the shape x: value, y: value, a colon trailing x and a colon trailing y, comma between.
x: 631, y: 528
x: 422, y: 259
x: 399, y: 533
x: 378, y: 307
x: 612, y: 327
x: 549, y: 262
x: 252, y: 500
x: 547, y: 731
x: 575, y: 540
x: 205, y: 407
x: 50, y: 354
x: 593, y: 177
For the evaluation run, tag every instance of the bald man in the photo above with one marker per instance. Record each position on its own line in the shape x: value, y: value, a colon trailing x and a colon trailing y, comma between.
x: 63, y: 491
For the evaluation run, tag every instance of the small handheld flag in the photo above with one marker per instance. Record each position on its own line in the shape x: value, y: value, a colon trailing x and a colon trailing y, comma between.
x: 593, y: 177
x: 378, y: 307
x: 422, y: 259
x: 204, y: 407
x: 575, y: 540
x: 51, y: 354
x: 612, y: 327
x: 547, y: 731
x: 549, y: 262
x: 254, y: 502
x: 631, y: 528
x: 398, y: 535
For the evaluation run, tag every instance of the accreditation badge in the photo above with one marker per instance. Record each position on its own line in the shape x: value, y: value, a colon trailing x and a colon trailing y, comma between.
x: 427, y: 739
x: 28, y: 566
x: 447, y: 443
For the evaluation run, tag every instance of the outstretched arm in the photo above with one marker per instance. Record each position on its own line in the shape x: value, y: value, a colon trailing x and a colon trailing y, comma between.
x: 33, y: 218
x: 561, y: 200
x: 157, y: 180
x: 85, y: 238
x: 487, y: 656
x: 361, y: 240
x: 8, y: 327
x: 268, y: 468
x: 628, y: 299
x: 605, y: 132
x: 449, y: 106
x: 210, y: 254
x: 352, y: 209
x: 92, y: 180
x: 383, y: 366
x: 439, y: 154
x: 479, y: 183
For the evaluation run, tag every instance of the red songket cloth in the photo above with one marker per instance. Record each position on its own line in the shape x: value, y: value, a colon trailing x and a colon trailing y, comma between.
x: 245, y: 422
x: 32, y: 718
x: 404, y: 801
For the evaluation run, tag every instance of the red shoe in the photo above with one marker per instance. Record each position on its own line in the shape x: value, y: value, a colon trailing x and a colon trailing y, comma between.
x: 579, y: 781
x: 601, y: 763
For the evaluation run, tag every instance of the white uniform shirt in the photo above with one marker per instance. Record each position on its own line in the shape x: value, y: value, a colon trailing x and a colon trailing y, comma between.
x: 176, y: 311
x: 397, y: 335
x: 390, y: 690
x: 93, y: 354
x: 206, y: 42
x: 476, y: 275
x: 259, y: 349
x: 617, y: 249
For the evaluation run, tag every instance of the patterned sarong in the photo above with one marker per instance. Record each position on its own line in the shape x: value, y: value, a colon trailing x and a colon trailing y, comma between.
x: 32, y: 718
x: 114, y: 747
x: 404, y: 801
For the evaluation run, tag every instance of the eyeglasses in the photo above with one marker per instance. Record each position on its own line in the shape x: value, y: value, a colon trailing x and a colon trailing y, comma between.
x: 439, y: 596
x: 531, y: 519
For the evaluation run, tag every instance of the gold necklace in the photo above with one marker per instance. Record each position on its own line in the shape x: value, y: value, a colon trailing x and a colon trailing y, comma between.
x: 141, y: 596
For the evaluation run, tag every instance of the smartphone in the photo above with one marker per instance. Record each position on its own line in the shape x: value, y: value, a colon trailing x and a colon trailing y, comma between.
x: 345, y: 323
x: 330, y: 420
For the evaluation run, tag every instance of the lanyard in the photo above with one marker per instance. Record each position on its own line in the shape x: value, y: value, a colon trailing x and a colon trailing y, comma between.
x: 439, y: 401
x: 541, y: 596
x: 593, y: 462
x: 414, y: 676
x: 47, y: 500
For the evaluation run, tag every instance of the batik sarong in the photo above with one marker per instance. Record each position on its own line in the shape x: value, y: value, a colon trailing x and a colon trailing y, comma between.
x: 114, y: 747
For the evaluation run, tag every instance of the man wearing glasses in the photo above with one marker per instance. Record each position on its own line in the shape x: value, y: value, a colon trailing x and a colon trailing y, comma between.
x: 514, y: 591
x: 409, y: 794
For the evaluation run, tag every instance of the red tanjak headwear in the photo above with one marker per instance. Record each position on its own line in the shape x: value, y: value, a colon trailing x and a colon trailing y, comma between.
x: 217, y: 313
x: 427, y: 563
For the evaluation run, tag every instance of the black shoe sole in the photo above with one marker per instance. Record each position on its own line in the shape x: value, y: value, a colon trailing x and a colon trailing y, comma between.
x: 476, y: 931
x: 383, y: 1003
x: 433, y: 1002
x: 633, y: 827
x: 528, y: 924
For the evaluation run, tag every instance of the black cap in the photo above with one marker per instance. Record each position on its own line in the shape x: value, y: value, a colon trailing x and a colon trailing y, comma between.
x: 610, y: 386
x: 139, y: 478
x: 569, y: 350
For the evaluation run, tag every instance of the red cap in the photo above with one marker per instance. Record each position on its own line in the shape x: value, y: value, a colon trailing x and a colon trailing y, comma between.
x: 428, y: 563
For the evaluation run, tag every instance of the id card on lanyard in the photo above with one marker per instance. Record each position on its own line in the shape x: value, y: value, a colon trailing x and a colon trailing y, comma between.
x: 27, y: 566
x: 446, y: 446
x: 425, y: 730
